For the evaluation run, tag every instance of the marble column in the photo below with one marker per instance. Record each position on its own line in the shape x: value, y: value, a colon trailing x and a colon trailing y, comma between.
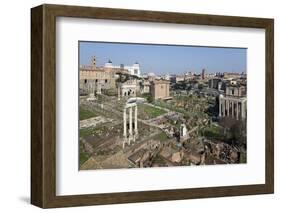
x: 220, y: 106
x: 125, y: 122
x: 242, y: 109
x: 136, y: 120
x: 118, y: 91
x: 131, y: 123
x: 232, y: 109
x: 227, y: 107
x: 237, y: 110
x: 223, y: 112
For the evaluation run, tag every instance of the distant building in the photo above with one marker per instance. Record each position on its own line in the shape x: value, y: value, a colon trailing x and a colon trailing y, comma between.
x: 133, y: 70
x: 235, y: 90
x: 189, y: 73
x: 221, y: 86
x: 180, y: 78
x: 211, y: 75
x: 234, y: 103
x: 230, y: 75
x: 151, y: 76
x: 160, y: 89
x: 94, y: 79
x: 203, y: 74
x: 145, y: 86
x: 166, y: 77
x: 177, y: 78
x: 214, y: 83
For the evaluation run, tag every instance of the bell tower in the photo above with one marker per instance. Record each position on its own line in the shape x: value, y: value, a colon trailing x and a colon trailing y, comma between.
x: 94, y: 62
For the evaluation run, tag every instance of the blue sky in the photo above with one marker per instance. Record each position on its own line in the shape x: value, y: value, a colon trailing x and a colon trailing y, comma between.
x: 166, y: 59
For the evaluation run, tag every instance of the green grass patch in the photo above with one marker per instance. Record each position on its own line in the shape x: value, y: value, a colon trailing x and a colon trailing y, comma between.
x: 174, y: 123
x: 243, y: 158
x: 92, y: 131
x: 161, y: 136
x: 148, y: 97
x: 172, y: 105
x: 152, y: 112
x: 83, y: 157
x: 212, y: 132
x: 85, y: 114
x: 85, y: 132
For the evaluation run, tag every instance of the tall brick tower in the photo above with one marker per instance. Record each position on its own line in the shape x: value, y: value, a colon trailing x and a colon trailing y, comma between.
x: 203, y: 74
x: 94, y: 62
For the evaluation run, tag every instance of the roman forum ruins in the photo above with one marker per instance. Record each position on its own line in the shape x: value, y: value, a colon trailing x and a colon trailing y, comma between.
x: 129, y: 119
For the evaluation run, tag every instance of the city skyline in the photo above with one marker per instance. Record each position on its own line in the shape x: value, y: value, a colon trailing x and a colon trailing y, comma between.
x: 166, y: 59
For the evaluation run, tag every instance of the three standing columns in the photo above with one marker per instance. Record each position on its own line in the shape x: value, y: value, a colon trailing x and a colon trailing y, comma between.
x: 132, y: 135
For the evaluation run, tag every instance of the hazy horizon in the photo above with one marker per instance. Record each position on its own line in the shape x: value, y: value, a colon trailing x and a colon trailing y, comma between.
x: 165, y: 59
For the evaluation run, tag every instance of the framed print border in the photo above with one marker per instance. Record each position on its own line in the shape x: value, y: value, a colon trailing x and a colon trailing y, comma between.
x: 43, y: 105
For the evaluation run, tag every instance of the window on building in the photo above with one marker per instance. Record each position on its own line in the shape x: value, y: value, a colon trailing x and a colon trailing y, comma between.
x: 85, y: 81
x: 136, y: 71
x: 105, y: 80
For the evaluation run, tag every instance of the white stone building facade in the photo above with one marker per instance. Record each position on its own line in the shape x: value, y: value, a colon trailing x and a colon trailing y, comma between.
x: 133, y: 69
